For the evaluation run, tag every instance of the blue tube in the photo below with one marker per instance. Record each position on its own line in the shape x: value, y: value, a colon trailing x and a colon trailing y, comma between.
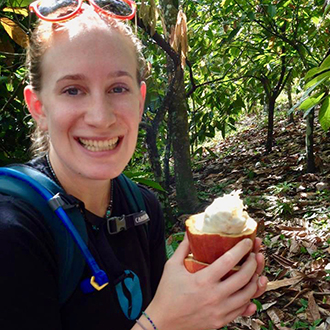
x: 100, y: 276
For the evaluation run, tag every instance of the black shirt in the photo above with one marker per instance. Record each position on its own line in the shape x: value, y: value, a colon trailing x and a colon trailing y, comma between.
x: 29, y: 266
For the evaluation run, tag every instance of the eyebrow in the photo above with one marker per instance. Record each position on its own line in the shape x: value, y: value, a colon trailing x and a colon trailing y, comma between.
x: 119, y: 73
x: 72, y: 77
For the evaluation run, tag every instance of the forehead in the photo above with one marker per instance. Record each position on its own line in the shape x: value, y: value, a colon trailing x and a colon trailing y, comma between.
x: 93, y: 50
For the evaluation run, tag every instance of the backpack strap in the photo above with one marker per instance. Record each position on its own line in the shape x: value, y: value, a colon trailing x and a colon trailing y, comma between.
x: 136, y: 204
x: 71, y: 261
x: 133, y: 193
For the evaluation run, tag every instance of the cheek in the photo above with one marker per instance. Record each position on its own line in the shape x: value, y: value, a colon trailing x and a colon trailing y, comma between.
x: 59, y: 122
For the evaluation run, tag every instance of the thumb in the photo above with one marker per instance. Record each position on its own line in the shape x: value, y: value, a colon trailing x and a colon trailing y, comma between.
x: 182, y: 251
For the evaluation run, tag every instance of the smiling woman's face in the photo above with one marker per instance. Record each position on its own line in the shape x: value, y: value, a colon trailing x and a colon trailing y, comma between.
x: 90, y: 102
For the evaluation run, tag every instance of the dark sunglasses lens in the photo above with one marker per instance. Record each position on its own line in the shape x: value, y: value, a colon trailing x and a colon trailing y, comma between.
x: 117, y: 7
x: 57, y: 8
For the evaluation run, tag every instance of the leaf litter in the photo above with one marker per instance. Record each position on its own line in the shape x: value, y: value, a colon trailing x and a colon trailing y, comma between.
x: 292, y: 208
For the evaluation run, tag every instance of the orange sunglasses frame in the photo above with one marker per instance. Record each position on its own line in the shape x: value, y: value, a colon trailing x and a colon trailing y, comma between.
x: 34, y: 6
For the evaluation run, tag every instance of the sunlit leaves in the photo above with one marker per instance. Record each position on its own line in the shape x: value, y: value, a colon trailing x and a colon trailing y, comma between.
x: 15, y: 31
x: 20, y: 11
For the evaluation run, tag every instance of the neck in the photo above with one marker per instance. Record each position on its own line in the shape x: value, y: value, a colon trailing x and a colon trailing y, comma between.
x: 95, y: 194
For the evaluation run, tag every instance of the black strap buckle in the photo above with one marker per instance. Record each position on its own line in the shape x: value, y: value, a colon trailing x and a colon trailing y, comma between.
x: 117, y: 224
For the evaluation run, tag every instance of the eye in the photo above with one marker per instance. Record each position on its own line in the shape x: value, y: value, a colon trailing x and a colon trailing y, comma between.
x: 72, y: 91
x: 118, y: 90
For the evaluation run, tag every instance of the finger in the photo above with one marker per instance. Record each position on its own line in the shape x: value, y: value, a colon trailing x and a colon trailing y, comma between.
x: 182, y: 251
x: 260, y: 263
x: 226, y: 262
x: 234, y: 314
x: 257, y: 245
x: 262, y: 286
x: 242, y: 277
x: 243, y: 296
x: 250, y: 309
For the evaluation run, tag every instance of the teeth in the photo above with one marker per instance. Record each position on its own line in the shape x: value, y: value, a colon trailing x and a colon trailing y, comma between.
x: 103, y: 145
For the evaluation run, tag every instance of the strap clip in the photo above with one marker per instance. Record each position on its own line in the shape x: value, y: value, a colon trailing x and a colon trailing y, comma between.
x: 62, y: 200
x: 96, y: 286
x: 116, y: 224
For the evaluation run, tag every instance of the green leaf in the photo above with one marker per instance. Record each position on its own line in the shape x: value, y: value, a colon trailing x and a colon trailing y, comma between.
x: 326, y: 63
x: 311, y: 102
x: 132, y: 175
x: 324, y: 114
x: 251, y: 16
x: 271, y: 10
x: 150, y: 183
x: 312, y: 72
x: 233, y: 34
x: 320, y: 77
x: 258, y: 304
x: 305, y: 96
x: 172, y: 243
x: 326, y: 9
x: 19, y: 3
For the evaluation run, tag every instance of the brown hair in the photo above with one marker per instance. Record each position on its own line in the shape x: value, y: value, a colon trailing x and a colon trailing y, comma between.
x: 40, y: 41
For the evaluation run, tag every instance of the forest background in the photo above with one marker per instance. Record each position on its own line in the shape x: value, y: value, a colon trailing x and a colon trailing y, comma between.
x: 210, y: 66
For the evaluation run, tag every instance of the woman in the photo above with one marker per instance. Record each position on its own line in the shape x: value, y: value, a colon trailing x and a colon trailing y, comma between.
x: 86, y: 94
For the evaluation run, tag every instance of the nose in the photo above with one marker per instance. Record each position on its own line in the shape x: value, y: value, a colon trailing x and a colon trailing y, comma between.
x: 100, y: 112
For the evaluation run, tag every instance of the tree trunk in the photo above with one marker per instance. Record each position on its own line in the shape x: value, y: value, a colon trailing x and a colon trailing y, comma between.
x: 154, y: 158
x: 167, y: 155
x: 270, y: 130
x: 289, y: 92
x: 186, y: 193
x: 310, y: 142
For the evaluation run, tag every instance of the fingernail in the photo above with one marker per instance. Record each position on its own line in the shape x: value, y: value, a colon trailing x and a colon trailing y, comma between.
x: 262, y: 281
x: 248, y: 242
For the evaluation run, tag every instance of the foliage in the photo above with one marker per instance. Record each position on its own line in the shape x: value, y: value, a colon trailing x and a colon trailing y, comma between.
x: 241, y: 54
x: 14, y: 142
x: 316, y: 93
x: 173, y: 242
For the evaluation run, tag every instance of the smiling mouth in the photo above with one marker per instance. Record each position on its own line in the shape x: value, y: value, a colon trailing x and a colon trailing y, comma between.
x: 99, y: 145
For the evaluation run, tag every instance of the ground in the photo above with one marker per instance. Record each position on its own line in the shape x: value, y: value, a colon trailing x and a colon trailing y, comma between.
x: 292, y: 208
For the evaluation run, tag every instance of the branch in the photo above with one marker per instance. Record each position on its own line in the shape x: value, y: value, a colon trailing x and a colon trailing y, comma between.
x: 194, y: 86
x: 161, y: 42
x: 13, y: 95
x: 162, y: 108
x: 285, y: 81
x: 283, y: 69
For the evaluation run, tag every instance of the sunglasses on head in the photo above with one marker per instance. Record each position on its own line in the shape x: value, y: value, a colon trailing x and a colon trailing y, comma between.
x: 61, y: 10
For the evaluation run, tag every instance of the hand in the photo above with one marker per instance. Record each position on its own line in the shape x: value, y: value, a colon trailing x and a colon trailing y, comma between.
x: 198, y: 301
x: 262, y: 280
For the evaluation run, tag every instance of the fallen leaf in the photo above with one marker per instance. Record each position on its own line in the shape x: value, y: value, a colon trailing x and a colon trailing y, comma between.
x: 312, y: 311
x: 277, y: 316
x: 286, y: 282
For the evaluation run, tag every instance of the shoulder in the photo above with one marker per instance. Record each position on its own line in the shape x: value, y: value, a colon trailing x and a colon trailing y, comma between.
x: 17, y: 216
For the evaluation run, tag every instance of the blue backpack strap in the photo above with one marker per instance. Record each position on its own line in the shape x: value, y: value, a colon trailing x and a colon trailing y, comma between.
x: 71, y: 261
x: 133, y: 193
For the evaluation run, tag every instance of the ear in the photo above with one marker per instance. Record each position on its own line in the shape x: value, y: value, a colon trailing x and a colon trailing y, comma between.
x: 143, y: 93
x: 35, y: 107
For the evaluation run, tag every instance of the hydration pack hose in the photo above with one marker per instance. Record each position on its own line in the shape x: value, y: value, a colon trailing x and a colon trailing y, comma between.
x: 99, y: 279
